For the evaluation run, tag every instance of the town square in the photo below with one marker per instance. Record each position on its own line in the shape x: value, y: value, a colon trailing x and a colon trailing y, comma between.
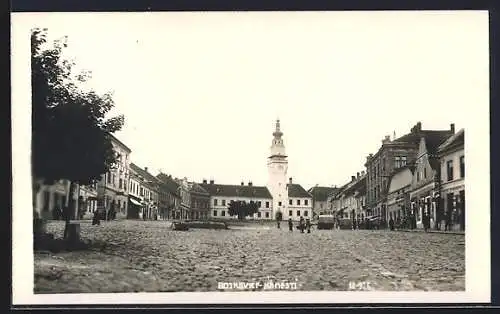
x: 253, y: 153
x: 148, y: 257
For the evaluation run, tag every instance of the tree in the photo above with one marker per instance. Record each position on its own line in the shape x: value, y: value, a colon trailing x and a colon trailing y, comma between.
x: 71, y: 135
x: 242, y: 209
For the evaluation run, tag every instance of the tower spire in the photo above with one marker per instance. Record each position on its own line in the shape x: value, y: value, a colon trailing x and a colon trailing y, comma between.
x: 277, y: 133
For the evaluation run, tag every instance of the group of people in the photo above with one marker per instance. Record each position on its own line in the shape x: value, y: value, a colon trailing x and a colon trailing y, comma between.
x: 304, y: 224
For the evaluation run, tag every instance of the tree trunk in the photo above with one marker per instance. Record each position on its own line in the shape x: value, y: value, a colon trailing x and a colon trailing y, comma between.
x: 39, y: 223
x: 72, y: 232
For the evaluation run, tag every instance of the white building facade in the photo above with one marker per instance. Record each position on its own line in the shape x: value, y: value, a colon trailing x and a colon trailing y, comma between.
x: 221, y: 196
x: 452, y: 164
x: 277, y: 166
x: 112, y: 188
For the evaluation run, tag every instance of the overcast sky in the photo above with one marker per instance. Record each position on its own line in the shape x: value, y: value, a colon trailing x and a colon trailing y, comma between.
x: 201, y: 91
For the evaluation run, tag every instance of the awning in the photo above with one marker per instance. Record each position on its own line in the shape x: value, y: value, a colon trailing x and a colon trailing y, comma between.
x: 135, y: 202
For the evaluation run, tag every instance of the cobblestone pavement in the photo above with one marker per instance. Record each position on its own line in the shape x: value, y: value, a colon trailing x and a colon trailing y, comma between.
x: 146, y: 256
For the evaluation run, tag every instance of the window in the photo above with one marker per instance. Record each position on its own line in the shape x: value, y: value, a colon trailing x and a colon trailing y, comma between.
x: 321, y: 206
x: 223, y: 202
x: 223, y: 213
x: 399, y: 161
x: 279, y: 203
x: 215, y: 213
x: 306, y: 202
x: 120, y: 183
x: 462, y: 167
x: 125, y: 185
x: 298, y: 202
x: 298, y: 213
x: 449, y: 170
x: 259, y: 214
x: 267, y: 204
x: 108, y: 175
x: 305, y: 213
x: 418, y: 176
x: 215, y: 202
x: 403, y: 161
x: 267, y: 214
x: 290, y: 213
x: 425, y: 173
x: 259, y: 204
x: 290, y: 202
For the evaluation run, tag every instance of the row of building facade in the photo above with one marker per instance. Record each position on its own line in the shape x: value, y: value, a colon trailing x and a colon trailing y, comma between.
x: 135, y: 193
x: 420, y: 173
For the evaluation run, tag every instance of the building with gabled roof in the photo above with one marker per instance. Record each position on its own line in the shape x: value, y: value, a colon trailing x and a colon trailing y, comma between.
x: 391, y: 155
x: 222, y: 194
x: 200, y: 201
x: 320, y: 199
x: 145, y: 190
x: 299, y: 202
x: 452, y: 193
x: 170, y: 198
x: 349, y: 200
x: 426, y: 178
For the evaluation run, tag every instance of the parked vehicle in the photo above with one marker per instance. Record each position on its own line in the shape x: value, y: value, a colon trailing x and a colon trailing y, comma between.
x: 373, y: 222
x: 345, y: 223
x: 326, y: 222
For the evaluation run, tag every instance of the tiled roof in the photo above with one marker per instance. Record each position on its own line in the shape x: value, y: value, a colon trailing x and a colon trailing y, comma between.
x: 196, y: 188
x: 320, y: 193
x: 455, y: 139
x: 236, y: 190
x: 296, y: 190
x: 143, y: 173
x: 435, y: 138
x: 168, y: 183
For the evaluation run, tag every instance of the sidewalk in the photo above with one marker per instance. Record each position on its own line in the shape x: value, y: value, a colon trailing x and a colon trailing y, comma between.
x: 431, y: 231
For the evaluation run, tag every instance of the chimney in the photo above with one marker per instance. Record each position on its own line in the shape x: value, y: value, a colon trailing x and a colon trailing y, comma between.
x: 363, y: 173
x: 250, y: 183
x: 242, y: 183
x: 211, y: 181
x: 146, y: 169
x: 204, y: 181
x: 452, y: 128
x: 387, y: 139
x: 353, y: 178
x: 357, y: 175
x: 291, y: 180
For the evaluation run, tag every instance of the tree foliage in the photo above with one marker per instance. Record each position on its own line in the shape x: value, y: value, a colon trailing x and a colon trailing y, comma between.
x: 70, y: 129
x: 242, y: 209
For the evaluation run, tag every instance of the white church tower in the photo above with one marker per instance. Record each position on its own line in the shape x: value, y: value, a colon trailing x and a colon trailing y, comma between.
x: 277, y: 165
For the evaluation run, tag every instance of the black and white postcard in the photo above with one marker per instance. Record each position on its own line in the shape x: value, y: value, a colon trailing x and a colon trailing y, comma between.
x: 251, y: 157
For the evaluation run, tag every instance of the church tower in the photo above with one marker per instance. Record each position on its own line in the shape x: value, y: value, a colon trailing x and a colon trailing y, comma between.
x: 277, y: 165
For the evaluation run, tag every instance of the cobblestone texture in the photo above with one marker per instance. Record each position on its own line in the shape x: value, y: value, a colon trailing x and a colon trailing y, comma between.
x: 146, y: 256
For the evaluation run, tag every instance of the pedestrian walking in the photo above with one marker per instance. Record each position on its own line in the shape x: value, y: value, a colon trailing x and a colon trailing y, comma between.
x: 290, y: 224
x: 95, y: 219
x: 67, y: 217
x: 391, y: 224
x: 308, y: 225
x: 447, y: 222
x: 301, y: 224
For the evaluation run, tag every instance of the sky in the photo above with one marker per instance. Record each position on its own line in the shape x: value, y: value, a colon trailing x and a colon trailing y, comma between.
x: 201, y: 91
